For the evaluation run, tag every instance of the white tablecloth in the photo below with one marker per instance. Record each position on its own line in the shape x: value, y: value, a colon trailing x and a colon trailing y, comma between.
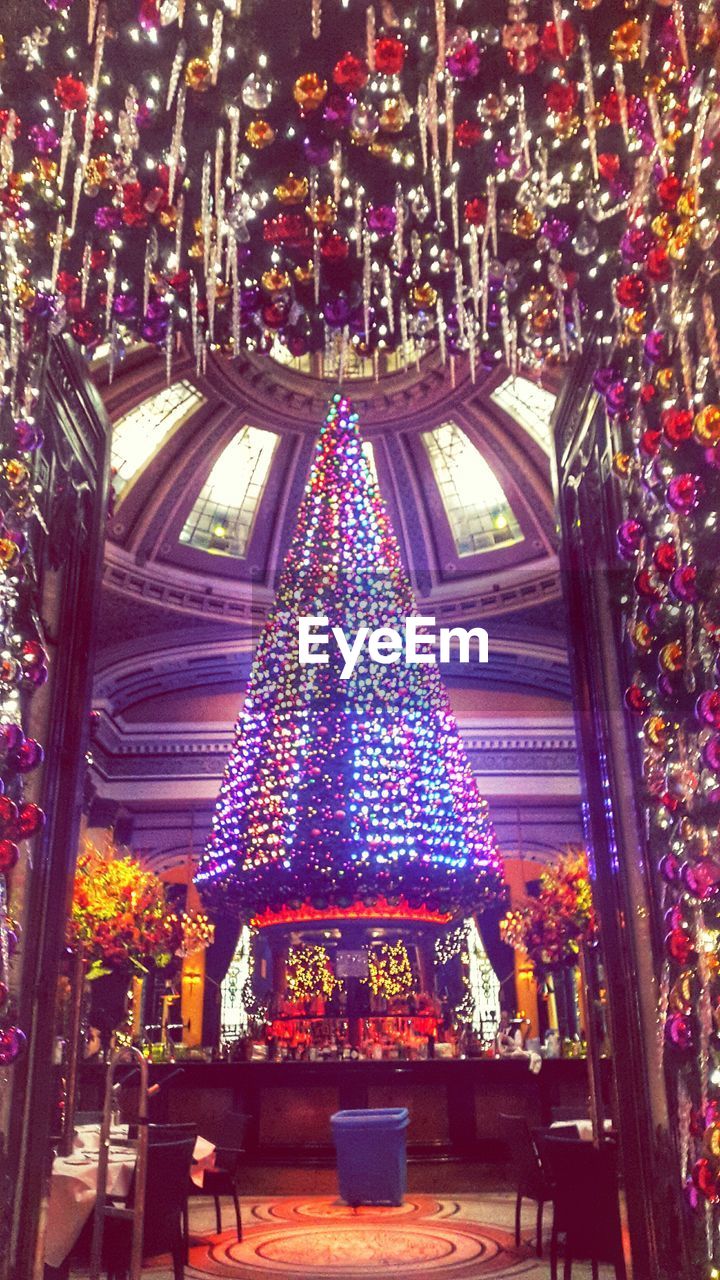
x: 73, y: 1186
x: 583, y: 1126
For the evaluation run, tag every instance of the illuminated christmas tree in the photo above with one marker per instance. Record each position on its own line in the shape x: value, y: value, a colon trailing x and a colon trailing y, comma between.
x: 346, y: 796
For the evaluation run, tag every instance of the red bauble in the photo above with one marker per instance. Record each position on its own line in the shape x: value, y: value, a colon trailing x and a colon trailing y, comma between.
x: 668, y: 191
x: 350, y: 72
x: 561, y: 97
x: 70, y: 93
x: 31, y: 819
x: 609, y: 165
x: 558, y: 47
x: 631, y: 291
x: 468, y: 133
x: 476, y: 211
x: 677, y: 425
x: 389, y: 55
x: 9, y: 854
x: 658, y: 265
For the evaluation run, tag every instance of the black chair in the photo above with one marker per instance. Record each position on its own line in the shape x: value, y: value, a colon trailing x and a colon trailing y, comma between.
x: 168, y: 1169
x: 171, y: 1133
x: 530, y: 1180
x: 227, y: 1133
x: 586, y: 1206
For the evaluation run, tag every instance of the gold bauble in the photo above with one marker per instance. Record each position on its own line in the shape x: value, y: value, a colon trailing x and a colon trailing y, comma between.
x: 259, y: 134
x: 292, y: 191
x: 99, y: 171
x: 304, y: 274
x: 525, y: 224
x: 309, y: 91
x: 323, y: 213
x: 395, y: 114
x: 664, y: 378
x: 707, y: 425
x: 635, y: 322
x: 662, y: 226
x: 626, y: 41
x: 275, y: 281
x: 198, y: 74
x: 44, y: 168
x: 424, y: 296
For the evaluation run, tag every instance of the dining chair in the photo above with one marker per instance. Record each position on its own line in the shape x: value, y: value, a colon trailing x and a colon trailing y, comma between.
x: 170, y: 1133
x: 168, y: 1170
x: 227, y: 1133
x: 586, y: 1206
x: 529, y: 1176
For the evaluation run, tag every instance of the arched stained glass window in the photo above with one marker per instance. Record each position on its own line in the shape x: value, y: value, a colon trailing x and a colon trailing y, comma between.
x: 530, y: 405
x: 480, y: 516
x: 138, y: 435
x: 222, y: 518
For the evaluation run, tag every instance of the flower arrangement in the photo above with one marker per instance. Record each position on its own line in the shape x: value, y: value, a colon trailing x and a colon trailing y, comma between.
x: 553, y: 927
x: 120, y: 918
x: 309, y: 973
x: 389, y: 970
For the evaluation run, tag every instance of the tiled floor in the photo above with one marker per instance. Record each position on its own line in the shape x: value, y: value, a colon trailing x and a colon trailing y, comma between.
x: 463, y: 1237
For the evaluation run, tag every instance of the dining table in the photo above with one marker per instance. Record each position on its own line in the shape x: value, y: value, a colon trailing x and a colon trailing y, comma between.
x: 74, y: 1184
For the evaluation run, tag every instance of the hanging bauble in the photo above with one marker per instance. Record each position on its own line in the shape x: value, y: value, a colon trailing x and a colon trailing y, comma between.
x: 256, y: 92
x: 259, y: 134
x: 707, y: 425
x: 12, y: 1043
x: 364, y: 124
x: 198, y: 75
x: 309, y: 91
x: 350, y: 72
x: 389, y: 55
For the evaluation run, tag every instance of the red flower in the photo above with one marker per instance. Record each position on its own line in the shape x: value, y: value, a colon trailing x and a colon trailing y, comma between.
x: 389, y: 55
x: 70, y: 93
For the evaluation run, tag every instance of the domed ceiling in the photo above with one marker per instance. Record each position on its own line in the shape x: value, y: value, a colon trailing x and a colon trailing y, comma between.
x: 208, y: 472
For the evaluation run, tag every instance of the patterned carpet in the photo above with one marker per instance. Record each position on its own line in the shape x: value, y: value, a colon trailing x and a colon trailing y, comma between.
x: 316, y: 1238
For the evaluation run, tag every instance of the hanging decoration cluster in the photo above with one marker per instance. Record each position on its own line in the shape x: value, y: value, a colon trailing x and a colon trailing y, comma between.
x: 309, y: 974
x: 340, y: 791
x: 120, y: 919
x: 552, y: 928
x: 389, y: 970
x: 390, y: 178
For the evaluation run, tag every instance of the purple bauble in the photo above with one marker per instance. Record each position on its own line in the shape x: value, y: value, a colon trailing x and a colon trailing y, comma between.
x: 629, y: 537
x: 684, y: 493
x: 12, y: 1043
x: 707, y: 708
x: 381, y: 219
